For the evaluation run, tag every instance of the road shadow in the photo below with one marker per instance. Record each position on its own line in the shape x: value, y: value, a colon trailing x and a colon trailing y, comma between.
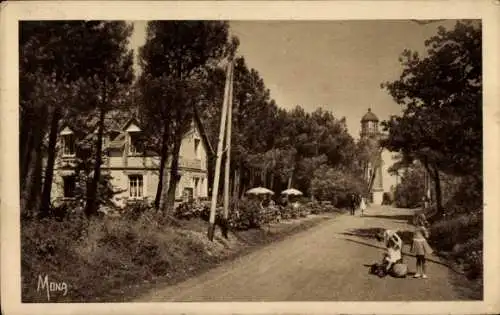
x: 408, y: 274
x: 408, y: 218
x: 371, y: 233
x: 406, y: 255
x: 366, y: 233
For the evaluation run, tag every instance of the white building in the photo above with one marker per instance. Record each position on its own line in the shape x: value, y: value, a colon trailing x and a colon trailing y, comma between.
x: 377, y: 169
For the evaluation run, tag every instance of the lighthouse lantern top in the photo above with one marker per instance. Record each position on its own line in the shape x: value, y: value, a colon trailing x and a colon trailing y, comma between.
x: 369, y: 116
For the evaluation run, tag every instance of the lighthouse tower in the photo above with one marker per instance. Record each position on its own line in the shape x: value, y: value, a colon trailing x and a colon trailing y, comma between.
x: 373, y: 169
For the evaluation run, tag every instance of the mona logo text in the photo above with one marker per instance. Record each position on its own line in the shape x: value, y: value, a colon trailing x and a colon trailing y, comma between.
x: 49, y: 286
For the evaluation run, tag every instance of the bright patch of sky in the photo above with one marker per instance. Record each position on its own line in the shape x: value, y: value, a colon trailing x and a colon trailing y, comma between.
x: 336, y: 65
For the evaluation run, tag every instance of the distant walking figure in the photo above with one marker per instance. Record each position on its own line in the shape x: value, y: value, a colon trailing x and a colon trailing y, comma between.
x: 352, y: 203
x: 362, y: 205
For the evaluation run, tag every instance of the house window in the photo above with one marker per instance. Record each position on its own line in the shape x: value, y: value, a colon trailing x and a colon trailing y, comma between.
x: 196, y: 187
x: 134, y: 143
x: 135, y: 186
x: 197, y: 147
x: 187, y: 194
x: 69, y: 183
x: 68, y: 145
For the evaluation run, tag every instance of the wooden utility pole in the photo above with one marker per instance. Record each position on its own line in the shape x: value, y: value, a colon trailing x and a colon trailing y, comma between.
x: 215, y: 188
x: 227, y: 170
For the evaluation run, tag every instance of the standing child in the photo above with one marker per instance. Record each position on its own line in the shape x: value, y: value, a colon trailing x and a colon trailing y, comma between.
x: 420, y: 247
x: 362, y: 205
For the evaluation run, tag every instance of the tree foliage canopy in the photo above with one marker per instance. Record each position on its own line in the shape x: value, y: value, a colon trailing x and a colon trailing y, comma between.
x: 441, y: 95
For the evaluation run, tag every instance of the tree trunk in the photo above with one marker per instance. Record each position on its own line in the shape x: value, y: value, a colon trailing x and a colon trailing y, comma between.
x: 243, y: 182
x: 34, y: 131
x: 91, y: 205
x: 252, y: 179
x: 31, y: 182
x: 239, y: 182
x: 49, y: 169
x: 271, y: 184
x: 163, y: 161
x: 26, y: 138
x: 236, y: 183
x: 174, y: 176
x: 437, y: 186
x: 34, y: 187
x: 290, y: 180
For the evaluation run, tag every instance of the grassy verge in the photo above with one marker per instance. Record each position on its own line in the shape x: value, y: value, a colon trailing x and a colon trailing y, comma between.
x: 114, y: 259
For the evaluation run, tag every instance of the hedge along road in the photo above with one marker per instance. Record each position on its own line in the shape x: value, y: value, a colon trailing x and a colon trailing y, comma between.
x: 325, y: 263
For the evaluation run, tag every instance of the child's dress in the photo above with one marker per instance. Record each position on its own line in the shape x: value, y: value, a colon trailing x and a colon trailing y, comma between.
x: 419, y: 246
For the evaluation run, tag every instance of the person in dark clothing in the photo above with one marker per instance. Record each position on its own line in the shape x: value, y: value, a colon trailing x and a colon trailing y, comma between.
x: 352, y: 203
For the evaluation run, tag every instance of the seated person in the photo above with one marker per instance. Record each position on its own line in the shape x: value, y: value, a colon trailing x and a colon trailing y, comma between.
x: 393, y: 246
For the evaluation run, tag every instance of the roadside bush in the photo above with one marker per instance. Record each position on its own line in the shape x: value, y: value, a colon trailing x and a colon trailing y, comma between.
x: 190, y: 210
x: 123, y: 250
x: 291, y: 212
x: 408, y: 193
x: 386, y: 199
x: 448, y: 232
x: 467, y: 195
x: 135, y: 209
x: 315, y: 207
x: 246, y: 214
x: 336, y: 185
x: 461, y: 237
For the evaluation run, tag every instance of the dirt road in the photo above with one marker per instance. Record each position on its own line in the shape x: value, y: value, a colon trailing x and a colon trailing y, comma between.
x: 326, y: 263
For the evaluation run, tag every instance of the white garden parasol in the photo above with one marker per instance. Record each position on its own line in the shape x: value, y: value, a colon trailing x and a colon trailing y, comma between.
x: 292, y: 192
x: 260, y: 191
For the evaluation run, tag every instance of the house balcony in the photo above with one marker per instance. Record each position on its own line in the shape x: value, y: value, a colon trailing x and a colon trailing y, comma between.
x: 190, y: 163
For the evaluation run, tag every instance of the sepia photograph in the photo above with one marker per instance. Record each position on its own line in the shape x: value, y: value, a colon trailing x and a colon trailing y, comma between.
x: 237, y: 160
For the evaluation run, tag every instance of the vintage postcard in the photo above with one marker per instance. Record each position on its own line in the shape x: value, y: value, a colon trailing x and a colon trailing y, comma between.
x: 250, y: 157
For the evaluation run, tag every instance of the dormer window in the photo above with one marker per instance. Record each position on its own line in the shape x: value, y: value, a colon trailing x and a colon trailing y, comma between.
x: 133, y: 138
x: 68, y: 142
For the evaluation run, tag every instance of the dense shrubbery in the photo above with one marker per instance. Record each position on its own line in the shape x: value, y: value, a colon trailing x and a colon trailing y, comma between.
x: 190, y: 210
x: 336, y: 185
x: 458, y: 232
x: 462, y: 237
x: 247, y: 214
x: 386, y: 199
x: 409, y: 192
x: 103, y: 256
x: 123, y: 250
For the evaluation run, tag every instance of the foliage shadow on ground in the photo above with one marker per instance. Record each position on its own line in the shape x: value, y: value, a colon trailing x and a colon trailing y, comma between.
x: 407, y: 218
x: 407, y: 255
x: 371, y: 233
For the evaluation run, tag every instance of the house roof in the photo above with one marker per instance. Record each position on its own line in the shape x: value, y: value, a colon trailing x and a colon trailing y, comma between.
x: 117, y: 123
x: 129, y: 122
x: 119, y: 141
x: 203, y: 133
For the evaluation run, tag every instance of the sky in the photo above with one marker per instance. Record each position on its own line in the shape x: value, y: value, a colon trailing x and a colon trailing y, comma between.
x: 336, y: 65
